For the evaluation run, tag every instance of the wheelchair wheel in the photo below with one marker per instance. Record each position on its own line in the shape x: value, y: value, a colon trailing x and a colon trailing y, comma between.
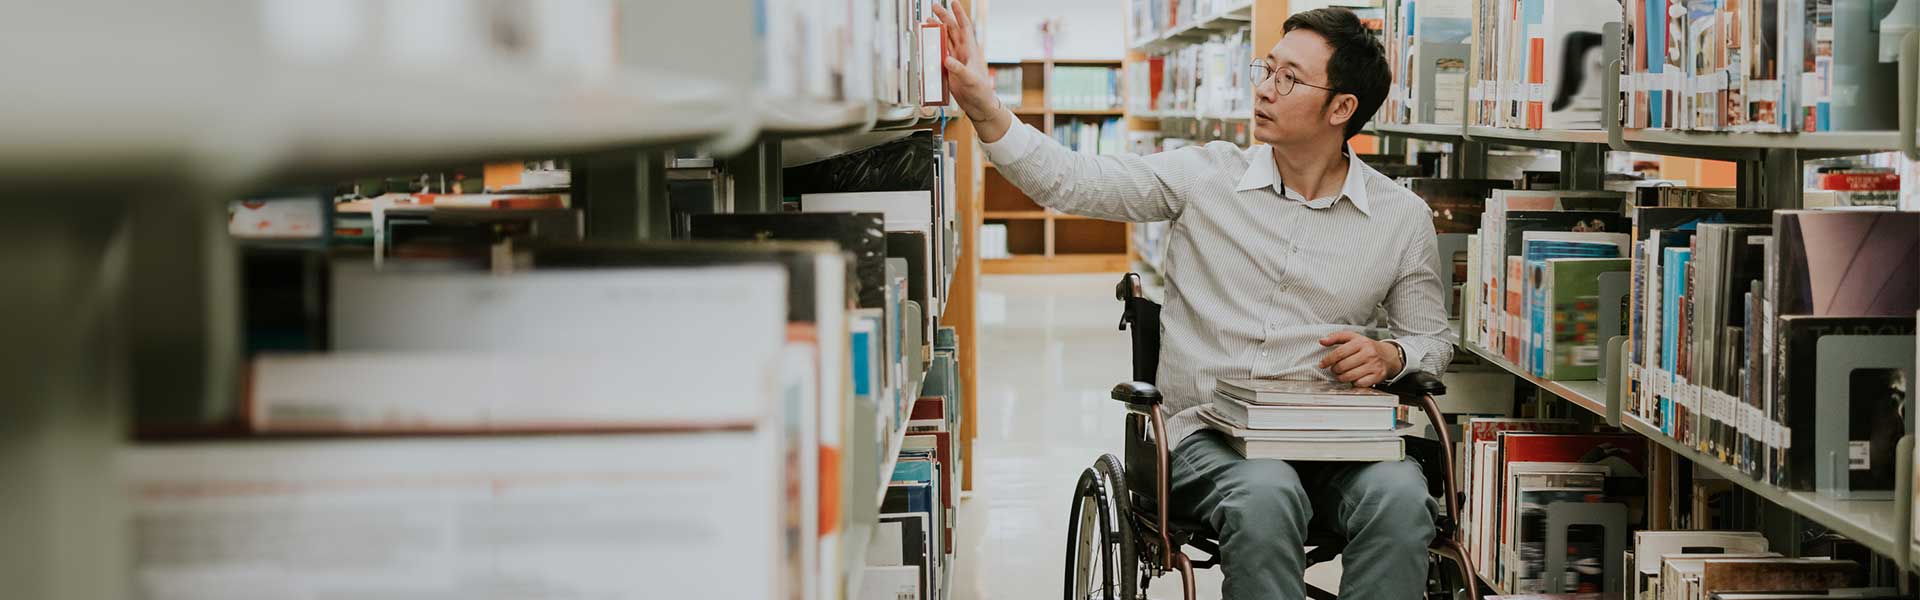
x: 1101, y: 564
x: 1446, y: 579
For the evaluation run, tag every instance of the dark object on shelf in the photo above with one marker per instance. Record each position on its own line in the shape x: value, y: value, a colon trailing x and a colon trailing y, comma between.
x: 1539, y: 180
x: 283, y: 298
x: 909, y: 164
x: 1456, y: 203
x: 1835, y: 373
x: 863, y: 234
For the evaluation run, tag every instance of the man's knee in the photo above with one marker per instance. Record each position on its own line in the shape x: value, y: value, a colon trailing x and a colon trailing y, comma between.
x: 1262, y: 490
x: 1393, y: 492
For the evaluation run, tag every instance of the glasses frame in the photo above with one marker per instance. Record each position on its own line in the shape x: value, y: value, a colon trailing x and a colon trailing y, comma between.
x: 1256, y: 68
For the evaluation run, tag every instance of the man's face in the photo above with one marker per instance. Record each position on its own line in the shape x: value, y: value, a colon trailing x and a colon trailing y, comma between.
x: 1305, y: 113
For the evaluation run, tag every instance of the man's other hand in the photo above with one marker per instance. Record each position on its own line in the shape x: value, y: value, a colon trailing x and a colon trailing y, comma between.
x: 967, y: 76
x: 1360, y: 360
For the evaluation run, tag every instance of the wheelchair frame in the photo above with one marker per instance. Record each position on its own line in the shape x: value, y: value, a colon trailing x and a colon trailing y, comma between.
x: 1128, y: 532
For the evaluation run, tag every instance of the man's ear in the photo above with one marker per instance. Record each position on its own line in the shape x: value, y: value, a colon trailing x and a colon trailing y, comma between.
x: 1341, y: 109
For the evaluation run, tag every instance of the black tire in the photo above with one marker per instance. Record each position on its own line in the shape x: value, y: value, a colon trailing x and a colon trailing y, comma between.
x: 1101, y: 564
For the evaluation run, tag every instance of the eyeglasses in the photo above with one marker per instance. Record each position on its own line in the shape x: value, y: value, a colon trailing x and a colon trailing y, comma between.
x: 1283, y: 80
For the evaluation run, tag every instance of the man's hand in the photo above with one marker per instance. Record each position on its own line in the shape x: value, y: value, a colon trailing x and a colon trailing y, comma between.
x: 1360, y: 360
x: 968, y: 79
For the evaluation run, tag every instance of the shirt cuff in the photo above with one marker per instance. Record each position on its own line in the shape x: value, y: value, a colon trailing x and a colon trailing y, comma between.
x: 1413, y: 355
x: 1020, y: 140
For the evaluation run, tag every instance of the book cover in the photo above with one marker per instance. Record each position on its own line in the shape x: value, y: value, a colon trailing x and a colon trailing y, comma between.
x: 1573, y: 350
x: 1303, y: 392
x: 863, y: 234
x: 1456, y: 203
x: 1847, y: 263
x: 1861, y: 406
x: 1775, y: 575
x: 619, y: 511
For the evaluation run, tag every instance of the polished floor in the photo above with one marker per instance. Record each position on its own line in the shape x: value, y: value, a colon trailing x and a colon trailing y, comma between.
x: 1049, y: 352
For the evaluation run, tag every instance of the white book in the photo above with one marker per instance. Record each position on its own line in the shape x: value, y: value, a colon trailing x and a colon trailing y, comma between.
x: 540, y: 350
x: 1222, y: 424
x: 1303, y: 392
x: 903, y: 211
x: 890, y: 583
x: 1357, y: 449
x: 607, y: 516
x: 1296, y: 417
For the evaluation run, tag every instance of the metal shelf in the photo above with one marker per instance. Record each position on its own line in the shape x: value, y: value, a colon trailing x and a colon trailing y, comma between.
x: 1881, y: 525
x: 1423, y: 131
x: 1878, y: 524
x: 1588, y: 394
x: 1749, y: 145
x: 1199, y: 29
x: 1537, y: 138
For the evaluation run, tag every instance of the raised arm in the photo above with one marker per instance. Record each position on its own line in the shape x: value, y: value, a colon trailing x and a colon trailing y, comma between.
x: 1122, y: 188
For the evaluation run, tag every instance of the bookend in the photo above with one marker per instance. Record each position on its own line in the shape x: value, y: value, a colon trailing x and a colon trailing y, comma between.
x: 1120, y: 535
x: 1853, y: 464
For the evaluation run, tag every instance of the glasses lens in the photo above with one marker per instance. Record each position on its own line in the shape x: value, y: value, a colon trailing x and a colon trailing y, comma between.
x: 1258, y: 72
x: 1285, y: 82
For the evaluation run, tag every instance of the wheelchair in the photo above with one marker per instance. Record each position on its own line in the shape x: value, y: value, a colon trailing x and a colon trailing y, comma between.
x: 1120, y: 536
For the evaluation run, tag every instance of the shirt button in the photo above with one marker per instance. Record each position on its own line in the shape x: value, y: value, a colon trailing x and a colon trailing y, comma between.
x: 1263, y: 354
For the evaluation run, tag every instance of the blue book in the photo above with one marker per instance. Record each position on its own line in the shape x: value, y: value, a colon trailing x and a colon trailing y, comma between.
x: 1673, y: 269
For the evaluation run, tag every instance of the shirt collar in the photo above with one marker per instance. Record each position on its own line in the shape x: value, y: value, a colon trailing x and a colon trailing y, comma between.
x: 1261, y: 173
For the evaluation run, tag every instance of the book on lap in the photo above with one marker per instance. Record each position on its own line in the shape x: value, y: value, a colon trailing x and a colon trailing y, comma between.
x: 1360, y: 448
x: 1305, y: 417
x: 1297, y: 392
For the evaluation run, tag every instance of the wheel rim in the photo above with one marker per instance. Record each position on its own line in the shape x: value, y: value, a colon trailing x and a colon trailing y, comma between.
x: 1088, y: 567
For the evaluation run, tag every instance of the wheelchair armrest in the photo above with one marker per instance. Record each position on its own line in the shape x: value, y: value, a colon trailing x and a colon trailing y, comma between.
x: 1415, y: 385
x: 1137, y: 392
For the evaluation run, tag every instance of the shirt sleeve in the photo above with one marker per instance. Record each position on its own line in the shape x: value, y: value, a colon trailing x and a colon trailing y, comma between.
x: 1122, y: 187
x: 1416, y: 306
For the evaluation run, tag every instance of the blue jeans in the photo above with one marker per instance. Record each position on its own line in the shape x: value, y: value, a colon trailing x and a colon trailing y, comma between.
x: 1262, y: 509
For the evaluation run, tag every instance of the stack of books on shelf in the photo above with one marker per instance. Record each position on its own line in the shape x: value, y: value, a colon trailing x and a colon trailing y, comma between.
x: 1542, y: 265
x: 1208, y: 79
x: 1539, y: 65
x: 1736, y: 565
x: 1105, y: 136
x: 1151, y: 18
x: 1809, y: 400
x: 1084, y: 88
x: 1758, y: 65
x: 1777, y: 342
x: 1529, y: 64
x: 1008, y: 82
x: 820, y: 53
x: 1550, y: 509
x: 1427, y: 43
x: 587, y: 418
x: 1306, y: 420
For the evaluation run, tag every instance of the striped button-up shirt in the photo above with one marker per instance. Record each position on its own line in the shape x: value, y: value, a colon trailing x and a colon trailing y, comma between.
x: 1255, y: 274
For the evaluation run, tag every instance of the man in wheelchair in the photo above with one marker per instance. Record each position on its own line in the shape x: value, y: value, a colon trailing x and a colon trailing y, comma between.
x: 1275, y: 256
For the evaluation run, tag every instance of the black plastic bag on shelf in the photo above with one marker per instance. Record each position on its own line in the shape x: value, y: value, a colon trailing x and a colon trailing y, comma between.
x: 908, y: 164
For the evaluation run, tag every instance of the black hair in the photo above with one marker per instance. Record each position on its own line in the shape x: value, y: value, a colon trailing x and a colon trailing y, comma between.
x: 1358, y: 65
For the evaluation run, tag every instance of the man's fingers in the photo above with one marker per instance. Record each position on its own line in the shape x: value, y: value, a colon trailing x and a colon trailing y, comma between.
x: 1369, y: 381
x: 1342, y: 351
x: 1338, y: 337
x: 1354, y: 362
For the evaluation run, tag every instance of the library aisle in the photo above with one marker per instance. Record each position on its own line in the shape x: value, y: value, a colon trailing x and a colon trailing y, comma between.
x: 1049, y: 353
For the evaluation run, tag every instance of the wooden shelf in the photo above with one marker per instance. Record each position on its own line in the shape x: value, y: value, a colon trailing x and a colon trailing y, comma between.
x: 1057, y: 264
x: 1075, y: 61
x: 1014, y: 214
x: 1090, y: 112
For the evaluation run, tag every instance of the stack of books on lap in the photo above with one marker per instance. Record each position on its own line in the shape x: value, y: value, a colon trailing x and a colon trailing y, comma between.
x: 1306, y: 420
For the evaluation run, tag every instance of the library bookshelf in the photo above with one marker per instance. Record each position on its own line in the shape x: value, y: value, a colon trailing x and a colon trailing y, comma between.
x: 1042, y: 240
